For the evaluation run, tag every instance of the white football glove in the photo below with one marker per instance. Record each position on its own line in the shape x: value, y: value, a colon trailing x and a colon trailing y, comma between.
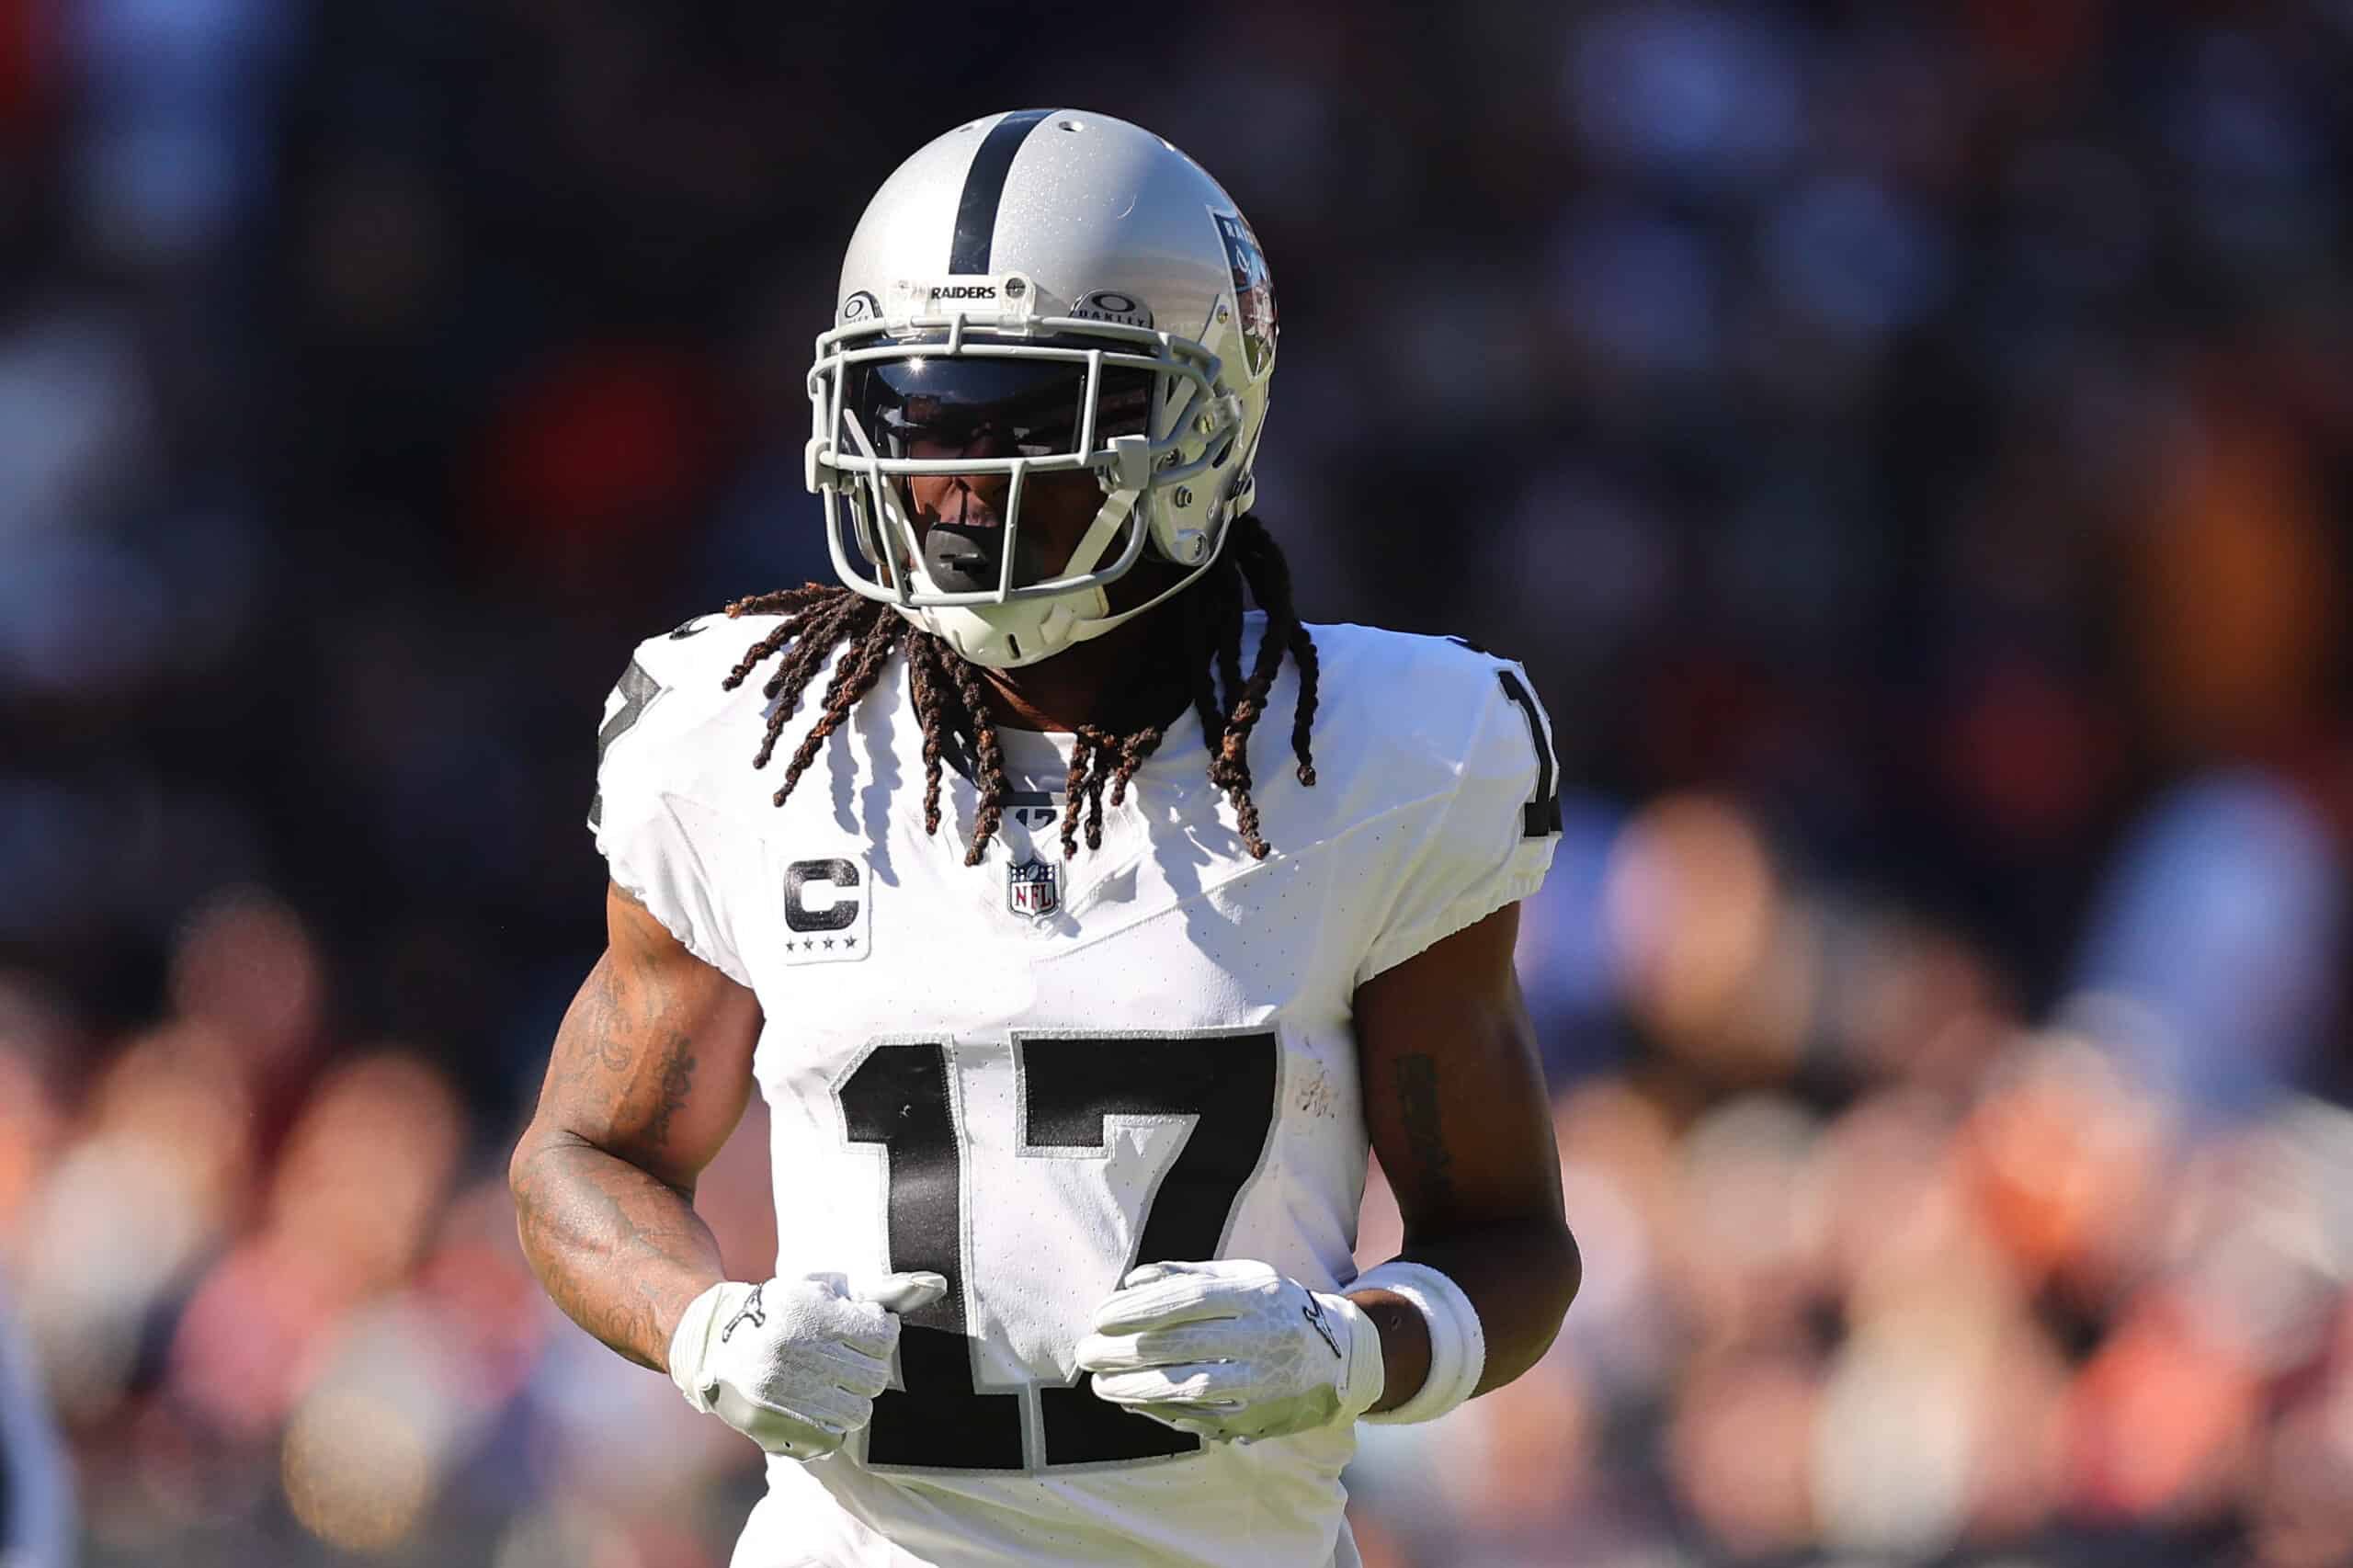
x: 1228, y: 1350
x: 793, y: 1364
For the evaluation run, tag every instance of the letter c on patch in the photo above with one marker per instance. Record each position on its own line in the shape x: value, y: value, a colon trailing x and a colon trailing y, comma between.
x: 838, y: 911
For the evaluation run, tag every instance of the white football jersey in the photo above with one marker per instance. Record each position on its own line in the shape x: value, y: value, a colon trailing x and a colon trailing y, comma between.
x: 1032, y: 1074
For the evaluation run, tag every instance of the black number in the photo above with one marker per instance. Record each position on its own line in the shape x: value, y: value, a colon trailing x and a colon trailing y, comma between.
x: 898, y: 1097
x: 1542, y: 814
x: 638, y: 691
x: 1069, y: 1088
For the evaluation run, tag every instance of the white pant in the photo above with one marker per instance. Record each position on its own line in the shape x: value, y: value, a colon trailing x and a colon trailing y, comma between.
x: 795, y: 1533
x: 803, y: 1533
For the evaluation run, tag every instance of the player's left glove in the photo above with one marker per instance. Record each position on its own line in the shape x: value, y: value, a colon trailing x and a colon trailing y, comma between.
x: 1228, y: 1350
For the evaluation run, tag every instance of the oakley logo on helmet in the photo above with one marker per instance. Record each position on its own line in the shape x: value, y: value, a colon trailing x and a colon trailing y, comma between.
x: 1109, y: 304
x: 861, y: 306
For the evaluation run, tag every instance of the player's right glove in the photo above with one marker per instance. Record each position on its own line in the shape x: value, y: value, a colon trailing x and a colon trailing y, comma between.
x: 793, y: 1364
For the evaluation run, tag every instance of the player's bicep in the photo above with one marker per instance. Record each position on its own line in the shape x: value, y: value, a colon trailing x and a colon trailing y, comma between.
x: 653, y: 1063
x: 1453, y: 1090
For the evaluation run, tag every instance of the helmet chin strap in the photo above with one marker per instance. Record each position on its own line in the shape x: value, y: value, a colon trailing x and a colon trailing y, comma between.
x: 984, y: 639
x: 1096, y: 626
x: 1025, y: 632
x: 1003, y: 637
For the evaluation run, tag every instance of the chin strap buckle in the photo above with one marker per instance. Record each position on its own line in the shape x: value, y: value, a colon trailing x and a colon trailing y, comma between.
x: 1132, y: 460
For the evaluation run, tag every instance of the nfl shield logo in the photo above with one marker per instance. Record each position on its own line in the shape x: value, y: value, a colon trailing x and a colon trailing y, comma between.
x: 1032, y: 886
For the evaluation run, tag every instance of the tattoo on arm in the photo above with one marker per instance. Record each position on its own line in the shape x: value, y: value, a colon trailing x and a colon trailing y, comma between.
x: 601, y: 1039
x: 619, y: 1248
x: 677, y: 1079
x: 618, y: 1251
x: 1417, y: 1099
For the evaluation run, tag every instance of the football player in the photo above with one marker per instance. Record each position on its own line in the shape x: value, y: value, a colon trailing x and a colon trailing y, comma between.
x: 1076, y: 1016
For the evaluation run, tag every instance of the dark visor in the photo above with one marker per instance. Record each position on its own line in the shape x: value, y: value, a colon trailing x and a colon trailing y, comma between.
x: 990, y: 406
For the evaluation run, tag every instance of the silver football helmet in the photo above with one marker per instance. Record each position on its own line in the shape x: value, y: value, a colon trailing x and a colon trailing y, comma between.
x: 1062, y: 291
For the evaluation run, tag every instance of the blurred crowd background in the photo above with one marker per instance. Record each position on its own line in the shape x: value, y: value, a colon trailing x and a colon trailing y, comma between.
x: 1910, y: 447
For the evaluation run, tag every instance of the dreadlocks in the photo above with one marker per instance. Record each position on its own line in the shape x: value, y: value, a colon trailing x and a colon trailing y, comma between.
x: 952, y: 703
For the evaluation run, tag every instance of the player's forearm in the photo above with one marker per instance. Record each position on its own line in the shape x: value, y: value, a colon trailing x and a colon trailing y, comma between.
x: 620, y: 1251
x: 1519, y: 1276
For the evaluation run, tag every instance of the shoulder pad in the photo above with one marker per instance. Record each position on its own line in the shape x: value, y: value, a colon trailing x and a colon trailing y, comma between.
x: 1433, y: 711
x: 672, y: 691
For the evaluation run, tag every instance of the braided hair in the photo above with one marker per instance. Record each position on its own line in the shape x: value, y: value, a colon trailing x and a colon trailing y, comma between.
x: 952, y: 703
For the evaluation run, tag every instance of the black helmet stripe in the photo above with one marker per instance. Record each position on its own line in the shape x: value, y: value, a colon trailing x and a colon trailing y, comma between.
x: 984, y: 188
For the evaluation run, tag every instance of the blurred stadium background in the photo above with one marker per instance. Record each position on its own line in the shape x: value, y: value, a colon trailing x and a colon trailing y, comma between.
x: 1912, y: 447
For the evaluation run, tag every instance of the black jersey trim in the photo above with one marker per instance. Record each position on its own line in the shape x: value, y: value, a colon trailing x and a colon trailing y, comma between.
x: 1542, y: 817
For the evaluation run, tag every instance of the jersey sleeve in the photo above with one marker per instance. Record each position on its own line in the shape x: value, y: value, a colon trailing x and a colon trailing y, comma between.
x: 1487, y: 841
x: 656, y: 839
